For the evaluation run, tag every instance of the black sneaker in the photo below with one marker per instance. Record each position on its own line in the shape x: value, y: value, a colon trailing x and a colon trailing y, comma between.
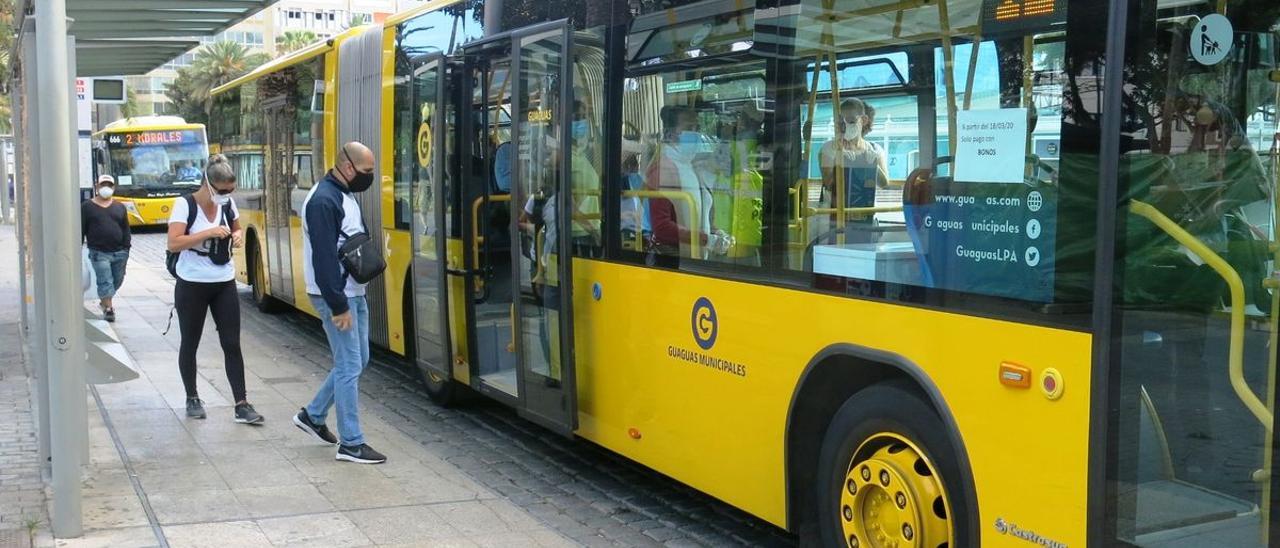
x: 319, y: 431
x: 246, y: 415
x: 362, y: 454
x: 195, y: 408
x: 109, y: 315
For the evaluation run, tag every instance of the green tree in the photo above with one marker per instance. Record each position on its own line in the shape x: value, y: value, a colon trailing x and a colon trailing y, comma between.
x: 182, y: 101
x: 130, y: 108
x: 214, y: 65
x: 294, y: 40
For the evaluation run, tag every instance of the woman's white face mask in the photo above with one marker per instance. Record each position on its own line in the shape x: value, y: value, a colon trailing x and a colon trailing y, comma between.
x: 106, y: 192
x: 853, y: 129
x: 220, y: 199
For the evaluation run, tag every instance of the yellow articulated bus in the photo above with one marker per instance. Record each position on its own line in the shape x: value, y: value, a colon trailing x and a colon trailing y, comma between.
x: 153, y: 159
x: 880, y: 272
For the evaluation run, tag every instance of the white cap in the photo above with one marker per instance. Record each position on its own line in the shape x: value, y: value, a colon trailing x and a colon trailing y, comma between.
x: 104, y: 178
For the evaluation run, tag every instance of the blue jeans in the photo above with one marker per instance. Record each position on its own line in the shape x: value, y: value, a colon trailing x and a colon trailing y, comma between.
x: 350, y: 355
x: 108, y: 268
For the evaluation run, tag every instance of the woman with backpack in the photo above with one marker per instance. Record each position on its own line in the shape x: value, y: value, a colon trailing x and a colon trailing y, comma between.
x: 203, y: 227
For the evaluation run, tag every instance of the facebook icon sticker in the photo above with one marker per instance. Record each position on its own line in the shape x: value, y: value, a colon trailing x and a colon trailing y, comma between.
x: 705, y: 325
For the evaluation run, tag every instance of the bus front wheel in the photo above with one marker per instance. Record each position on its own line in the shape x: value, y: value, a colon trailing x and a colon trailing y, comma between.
x: 887, y: 474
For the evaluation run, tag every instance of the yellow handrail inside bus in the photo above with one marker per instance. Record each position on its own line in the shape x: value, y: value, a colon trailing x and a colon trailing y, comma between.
x: 695, y: 242
x: 476, y: 237
x: 1235, y: 354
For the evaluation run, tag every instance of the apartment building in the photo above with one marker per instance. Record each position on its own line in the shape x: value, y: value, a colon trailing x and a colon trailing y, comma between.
x: 325, y: 18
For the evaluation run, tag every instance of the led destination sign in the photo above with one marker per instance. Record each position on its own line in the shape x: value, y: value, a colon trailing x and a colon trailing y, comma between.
x: 151, y: 138
x: 1020, y: 15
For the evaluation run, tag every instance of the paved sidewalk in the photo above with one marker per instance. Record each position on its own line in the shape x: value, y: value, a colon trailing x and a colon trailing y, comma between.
x: 22, y: 497
x: 156, y: 478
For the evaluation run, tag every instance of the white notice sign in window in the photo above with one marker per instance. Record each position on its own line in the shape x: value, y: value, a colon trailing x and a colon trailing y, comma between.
x: 992, y: 146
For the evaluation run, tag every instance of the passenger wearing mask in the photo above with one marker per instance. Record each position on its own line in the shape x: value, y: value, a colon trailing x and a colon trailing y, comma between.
x: 585, y: 182
x: 203, y: 227
x: 104, y: 226
x: 675, y: 168
x: 852, y: 159
x: 331, y: 215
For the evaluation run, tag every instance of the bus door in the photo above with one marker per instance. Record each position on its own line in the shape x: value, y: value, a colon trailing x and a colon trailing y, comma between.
x: 1197, y: 300
x: 430, y: 297
x: 483, y: 145
x: 278, y: 155
x: 515, y: 164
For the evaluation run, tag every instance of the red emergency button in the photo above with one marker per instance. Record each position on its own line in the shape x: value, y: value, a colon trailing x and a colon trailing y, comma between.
x: 1051, y: 383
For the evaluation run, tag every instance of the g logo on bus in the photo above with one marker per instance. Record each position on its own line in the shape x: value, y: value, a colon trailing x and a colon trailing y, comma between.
x: 424, y: 145
x: 705, y: 326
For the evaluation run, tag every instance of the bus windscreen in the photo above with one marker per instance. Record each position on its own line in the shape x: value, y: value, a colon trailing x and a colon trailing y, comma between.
x: 157, y: 162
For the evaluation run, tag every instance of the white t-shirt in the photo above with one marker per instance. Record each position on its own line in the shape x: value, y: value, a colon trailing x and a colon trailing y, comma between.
x: 192, y: 266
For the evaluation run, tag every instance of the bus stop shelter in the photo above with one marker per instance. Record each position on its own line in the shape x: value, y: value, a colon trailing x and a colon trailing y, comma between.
x: 59, y: 40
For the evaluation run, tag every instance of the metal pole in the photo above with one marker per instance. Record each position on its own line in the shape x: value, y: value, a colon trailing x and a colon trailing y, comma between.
x: 30, y: 133
x: 492, y: 17
x: 64, y: 308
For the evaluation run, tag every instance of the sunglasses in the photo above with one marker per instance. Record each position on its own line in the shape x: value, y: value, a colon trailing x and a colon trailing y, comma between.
x: 220, y: 191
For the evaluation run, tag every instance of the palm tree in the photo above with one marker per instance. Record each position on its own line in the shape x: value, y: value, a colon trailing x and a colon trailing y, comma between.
x: 217, y: 64
x: 294, y: 40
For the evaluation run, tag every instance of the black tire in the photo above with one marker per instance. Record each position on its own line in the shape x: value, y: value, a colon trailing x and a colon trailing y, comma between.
x: 871, y: 423
x: 257, y: 280
x: 444, y: 392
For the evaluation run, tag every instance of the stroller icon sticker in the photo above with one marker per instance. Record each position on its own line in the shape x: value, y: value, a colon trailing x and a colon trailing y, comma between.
x: 1211, y: 39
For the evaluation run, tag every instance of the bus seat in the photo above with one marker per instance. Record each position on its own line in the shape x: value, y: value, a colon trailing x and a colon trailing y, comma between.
x: 917, y: 201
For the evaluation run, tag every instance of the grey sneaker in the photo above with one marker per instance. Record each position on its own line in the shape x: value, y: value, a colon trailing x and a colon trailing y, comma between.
x: 246, y: 415
x: 195, y: 408
x: 319, y: 431
x: 361, y: 454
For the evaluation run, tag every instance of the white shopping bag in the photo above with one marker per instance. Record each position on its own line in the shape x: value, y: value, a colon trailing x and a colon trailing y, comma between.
x: 90, y: 285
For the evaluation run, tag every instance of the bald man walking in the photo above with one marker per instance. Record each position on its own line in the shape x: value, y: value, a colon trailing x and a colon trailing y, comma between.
x: 330, y: 215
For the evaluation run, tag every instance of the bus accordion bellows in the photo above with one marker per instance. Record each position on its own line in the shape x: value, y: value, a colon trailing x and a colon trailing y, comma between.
x: 153, y: 159
x: 879, y: 272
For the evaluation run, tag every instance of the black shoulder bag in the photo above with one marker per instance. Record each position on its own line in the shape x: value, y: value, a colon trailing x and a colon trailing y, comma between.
x: 361, y: 257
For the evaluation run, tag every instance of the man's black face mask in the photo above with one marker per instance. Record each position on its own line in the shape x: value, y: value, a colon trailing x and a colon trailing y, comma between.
x: 362, y: 179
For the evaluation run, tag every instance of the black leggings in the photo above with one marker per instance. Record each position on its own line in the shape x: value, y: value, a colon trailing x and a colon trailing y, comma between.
x: 192, y: 299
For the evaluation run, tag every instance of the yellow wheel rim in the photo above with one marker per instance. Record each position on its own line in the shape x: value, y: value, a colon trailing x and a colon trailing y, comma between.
x: 893, y: 497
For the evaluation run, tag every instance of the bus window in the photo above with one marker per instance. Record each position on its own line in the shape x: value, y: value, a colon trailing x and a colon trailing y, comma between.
x: 693, y: 182
x: 586, y: 162
x: 919, y: 157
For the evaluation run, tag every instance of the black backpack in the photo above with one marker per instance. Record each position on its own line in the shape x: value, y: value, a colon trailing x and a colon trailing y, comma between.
x: 221, y: 255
